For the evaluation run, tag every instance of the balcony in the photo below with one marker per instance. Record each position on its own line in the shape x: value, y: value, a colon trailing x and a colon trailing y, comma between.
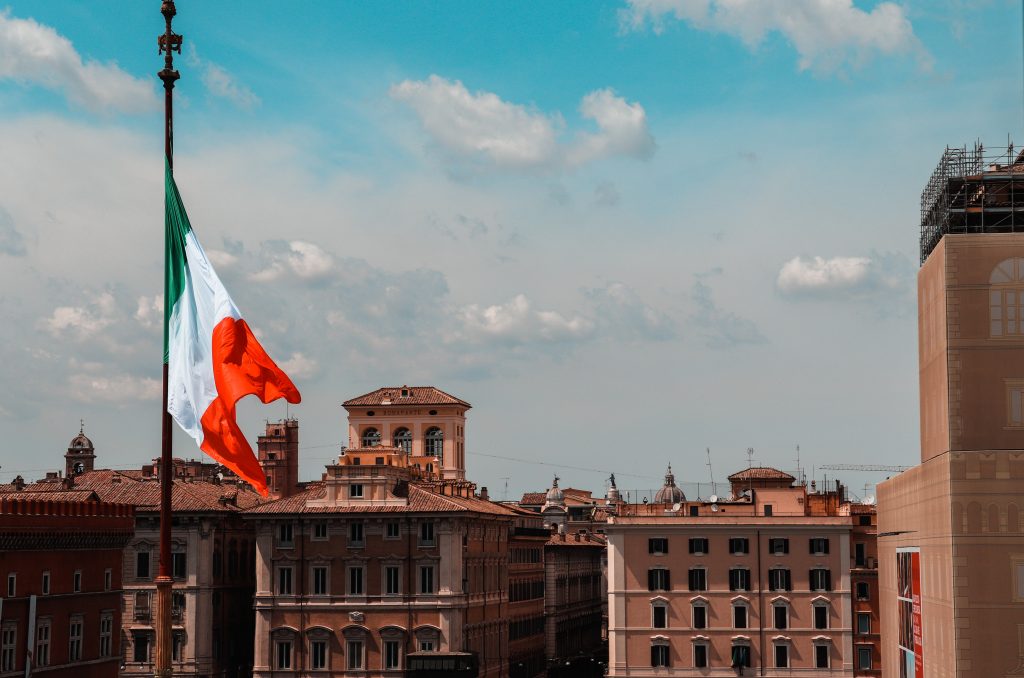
x: 142, y: 614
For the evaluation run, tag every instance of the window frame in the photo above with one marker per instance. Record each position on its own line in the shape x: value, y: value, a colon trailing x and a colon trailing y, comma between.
x: 321, y: 662
x: 356, y: 540
x: 814, y: 616
x: 392, y: 530
x: 739, y: 609
x: 818, y: 647
x: 784, y: 646
x: 427, y: 535
x: 8, y: 646
x: 285, y: 580
x: 355, y: 661
x: 739, y: 546
x: 283, y: 660
x: 388, y: 663
x: 320, y: 574
x: 661, y: 655
x: 45, y: 583
x: 428, y: 584
x: 659, y: 579
x: 700, y: 582
x: 106, y: 634
x: 320, y: 531
x: 706, y: 659
x: 861, y: 617
x: 705, y: 614
x: 42, y: 642
x: 657, y: 546
x: 775, y: 616
x: 702, y: 543
x: 140, y: 556
x: 351, y: 579
x: 659, y: 606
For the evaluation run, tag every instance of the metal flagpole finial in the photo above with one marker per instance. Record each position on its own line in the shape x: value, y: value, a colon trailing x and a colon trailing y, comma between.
x: 169, y: 43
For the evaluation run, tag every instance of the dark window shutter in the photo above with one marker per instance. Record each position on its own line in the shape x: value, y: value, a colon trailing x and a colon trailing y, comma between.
x: 810, y: 578
x: 810, y: 545
x: 691, y: 545
x: 826, y: 544
x: 789, y: 581
x: 654, y: 655
x: 664, y: 545
x: 785, y: 546
x: 668, y: 580
x: 828, y: 580
x: 732, y: 580
x: 691, y: 582
x: 650, y: 546
x: 650, y: 580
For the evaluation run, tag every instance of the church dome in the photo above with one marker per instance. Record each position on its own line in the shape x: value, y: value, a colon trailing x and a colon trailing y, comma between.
x: 554, y: 495
x: 669, y: 493
x: 80, y: 442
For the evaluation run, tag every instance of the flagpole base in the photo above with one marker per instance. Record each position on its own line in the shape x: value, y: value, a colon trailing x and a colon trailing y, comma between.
x: 164, y: 585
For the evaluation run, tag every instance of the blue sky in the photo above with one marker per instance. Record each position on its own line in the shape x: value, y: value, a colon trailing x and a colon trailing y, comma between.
x: 625, y: 231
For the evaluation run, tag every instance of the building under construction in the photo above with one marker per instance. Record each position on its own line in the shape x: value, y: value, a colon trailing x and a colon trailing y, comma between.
x: 976, y: 190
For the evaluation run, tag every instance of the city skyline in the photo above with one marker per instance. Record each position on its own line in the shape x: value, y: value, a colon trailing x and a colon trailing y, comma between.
x: 609, y: 195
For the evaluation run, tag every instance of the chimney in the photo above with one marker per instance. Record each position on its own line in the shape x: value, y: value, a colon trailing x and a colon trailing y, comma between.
x: 483, y: 493
x: 19, y: 483
x: 67, y: 482
x: 576, y: 536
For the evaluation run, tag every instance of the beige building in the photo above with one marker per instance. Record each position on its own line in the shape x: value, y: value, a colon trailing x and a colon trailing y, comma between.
x: 757, y: 583
x: 950, y: 540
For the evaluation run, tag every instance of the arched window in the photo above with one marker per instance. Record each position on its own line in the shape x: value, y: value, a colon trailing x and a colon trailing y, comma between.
x: 371, y: 437
x: 1006, y: 298
x: 403, y: 439
x: 435, y: 443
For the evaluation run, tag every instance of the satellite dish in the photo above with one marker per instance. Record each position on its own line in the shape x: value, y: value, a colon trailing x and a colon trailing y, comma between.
x: 676, y: 506
x: 714, y: 508
x: 713, y: 499
x: 869, y: 500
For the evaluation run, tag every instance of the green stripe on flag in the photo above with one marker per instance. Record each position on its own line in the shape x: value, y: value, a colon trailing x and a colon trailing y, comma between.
x: 175, y: 227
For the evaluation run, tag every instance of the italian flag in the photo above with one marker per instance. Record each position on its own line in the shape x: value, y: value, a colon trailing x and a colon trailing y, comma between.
x: 212, y: 356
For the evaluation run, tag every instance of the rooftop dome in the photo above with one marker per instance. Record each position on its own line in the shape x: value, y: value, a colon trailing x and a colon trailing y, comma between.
x: 554, y: 495
x: 669, y: 493
x: 80, y: 442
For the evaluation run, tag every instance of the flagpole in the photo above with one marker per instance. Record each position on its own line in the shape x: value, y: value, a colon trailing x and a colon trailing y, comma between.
x: 169, y: 43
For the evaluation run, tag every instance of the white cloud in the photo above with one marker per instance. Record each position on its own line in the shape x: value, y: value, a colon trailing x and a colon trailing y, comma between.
x: 846, y: 277
x: 718, y: 327
x: 150, y: 311
x: 221, y: 83
x: 124, y: 389
x: 299, y: 366
x: 32, y: 53
x: 301, y: 259
x: 825, y: 33
x: 517, y: 322
x: 621, y: 312
x: 482, y: 126
x: 82, y: 321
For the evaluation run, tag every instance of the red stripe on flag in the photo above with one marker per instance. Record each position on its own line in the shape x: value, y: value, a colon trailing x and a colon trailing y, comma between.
x: 240, y: 367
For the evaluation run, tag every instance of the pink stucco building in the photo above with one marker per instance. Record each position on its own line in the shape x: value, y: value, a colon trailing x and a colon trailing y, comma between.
x: 759, y: 583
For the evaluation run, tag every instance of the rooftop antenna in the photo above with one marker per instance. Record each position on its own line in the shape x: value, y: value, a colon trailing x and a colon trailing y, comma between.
x: 750, y: 464
x: 504, y: 495
x: 711, y: 473
x: 799, y: 470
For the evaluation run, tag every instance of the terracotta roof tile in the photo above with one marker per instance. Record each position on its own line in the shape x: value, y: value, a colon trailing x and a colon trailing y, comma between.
x: 418, y: 395
x: 533, y: 498
x: 420, y: 501
x: 760, y: 473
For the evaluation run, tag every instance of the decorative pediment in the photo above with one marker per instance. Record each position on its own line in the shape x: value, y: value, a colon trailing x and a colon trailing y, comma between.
x: 740, y: 599
x: 355, y: 630
x: 700, y: 638
x: 820, y: 600
x: 782, y: 639
x: 319, y: 631
x: 698, y: 600
x: 741, y: 639
x: 821, y: 639
x: 660, y: 600
x: 286, y: 631
x: 780, y: 600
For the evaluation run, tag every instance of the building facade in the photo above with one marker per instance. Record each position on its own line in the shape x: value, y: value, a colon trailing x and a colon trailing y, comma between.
x: 60, y: 567
x: 574, y: 601
x: 950, y: 537
x: 760, y: 583
x: 394, y: 563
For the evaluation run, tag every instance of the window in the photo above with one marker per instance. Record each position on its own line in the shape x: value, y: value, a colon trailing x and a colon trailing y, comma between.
x: 355, y: 581
x: 46, y: 584
x: 820, y: 617
x: 865, y: 520
x: 739, y: 579
x: 739, y: 616
x: 862, y: 590
x: 318, y: 654
x: 700, y: 655
x: 371, y: 437
x: 780, y: 615
x: 177, y: 647
x: 778, y: 546
x: 1005, y: 308
x: 864, y: 658
x: 819, y: 546
x: 391, y: 580
x: 699, y: 545
x: 319, y: 531
x: 355, y: 491
x: 658, y: 545
x: 142, y: 565
x: 403, y: 440
x: 700, y: 616
x: 426, y: 534
x: 659, y: 616
x: 106, y: 633
x: 179, y: 561
x: 863, y: 623
x: 355, y: 534
x: 738, y: 545
x: 659, y: 655
x: 740, y: 656
x: 779, y: 579
x: 8, y: 646
x: 177, y: 603
x: 698, y: 579
x: 434, y: 443
x: 781, y: 655
x: 284, y: 581
x: 1015, y: 402
x: 284, y: 535
x: 284, y: 654
x: 658, y: 579
x: 392, y: 531
x: 142, y: 605
x: 140, y: 647
x: 76, y: 581
x: 320, y: 580
x: 426, y: 646
x: 821, y: 579
x: 108, y: 579
x: 426, y: 579
x: 12, y: 585
x: 860, y: 557
x: 43, y: 643
x: 355, y: 654
x: 391, y: 654
x: 821, y: 656
x: 768, y: 509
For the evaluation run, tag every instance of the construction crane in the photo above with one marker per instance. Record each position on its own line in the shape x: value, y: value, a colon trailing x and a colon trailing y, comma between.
x: 863, y: 467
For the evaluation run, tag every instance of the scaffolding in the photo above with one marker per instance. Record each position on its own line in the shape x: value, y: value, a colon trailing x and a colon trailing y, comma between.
x: 973, y: 190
